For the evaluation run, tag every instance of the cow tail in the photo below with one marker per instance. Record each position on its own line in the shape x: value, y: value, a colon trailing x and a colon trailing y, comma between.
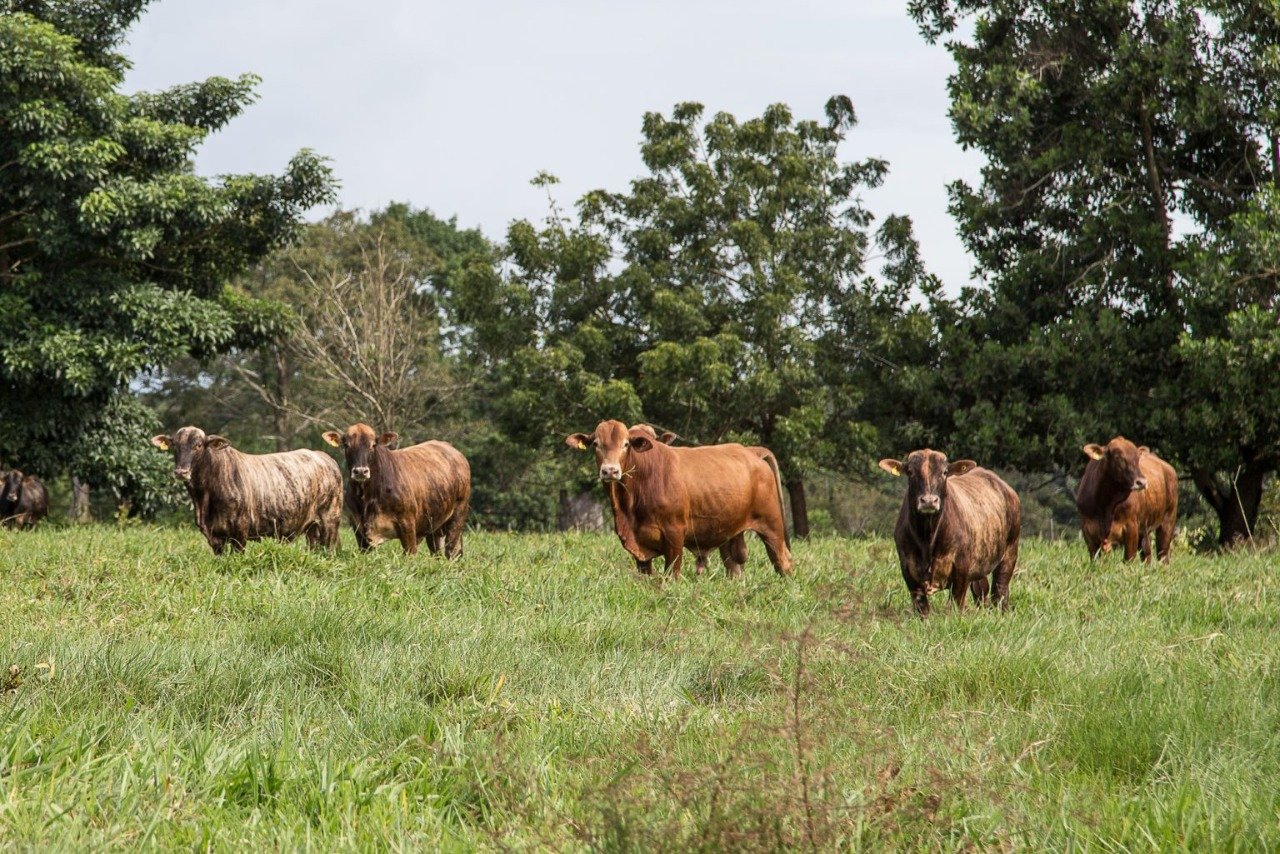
x: 782, y: 503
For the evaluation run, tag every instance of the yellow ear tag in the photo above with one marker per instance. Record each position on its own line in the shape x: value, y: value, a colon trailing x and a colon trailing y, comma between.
x: 582, y: 446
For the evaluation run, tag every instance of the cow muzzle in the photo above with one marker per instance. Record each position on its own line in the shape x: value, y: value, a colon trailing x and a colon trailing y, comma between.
x: 928, y: 504
x: 12, y: 496
x: 360, y: 474
x: 183, y: 475
x: 611, y: 472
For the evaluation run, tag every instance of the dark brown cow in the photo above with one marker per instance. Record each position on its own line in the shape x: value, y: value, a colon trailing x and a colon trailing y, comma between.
x: 668, y: 499
x: 241, y: 497
x: 411, y: 493
x: 23, y: 500
x: 958, y: 524
x: 1125, y: 493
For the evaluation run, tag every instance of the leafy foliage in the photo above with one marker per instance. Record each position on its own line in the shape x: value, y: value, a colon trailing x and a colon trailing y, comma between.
x: 723, y: 295
x: 113, y: 253
x: 1127, y: 145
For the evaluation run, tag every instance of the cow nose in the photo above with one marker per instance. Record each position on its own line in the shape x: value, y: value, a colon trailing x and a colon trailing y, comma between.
x: 360, y: 473
x: 611, y: 471
x: 928, y: 504
x: 1140, y: 484
x: 182, y: 474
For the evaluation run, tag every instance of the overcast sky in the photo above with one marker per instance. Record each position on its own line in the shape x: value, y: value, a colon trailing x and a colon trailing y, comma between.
x: 456, y: 106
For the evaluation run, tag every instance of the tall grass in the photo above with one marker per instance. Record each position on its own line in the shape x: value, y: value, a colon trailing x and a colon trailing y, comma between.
x: 541, y: 694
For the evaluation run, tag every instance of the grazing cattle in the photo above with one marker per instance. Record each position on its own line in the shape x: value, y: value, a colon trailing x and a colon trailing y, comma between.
x: 1126, y: 492
x: 667, y: 499
x: 958, y: 524
x: 411, y: 493
x: 23, y: 500
x: 240, y: 497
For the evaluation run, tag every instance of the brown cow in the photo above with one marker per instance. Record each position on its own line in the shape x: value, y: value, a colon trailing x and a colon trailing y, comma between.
x: 665, y: 499
x: 241, y: 497
x: 733, y: 553
x: 423, y: 491
x: 958, y: 524
x: 23, y: 500
x: 1125, y: 492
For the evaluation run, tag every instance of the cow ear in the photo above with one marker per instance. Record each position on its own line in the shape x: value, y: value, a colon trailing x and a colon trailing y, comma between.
x: 333, y: 437
x: 960, y: 467
x: 216, y: 442
x: 389, y: 439
x: 162, y: 442
x: 667, y: 438
x: 893, y: 467
x: 641, y: 443
x: 1143, y: 449
x: 578, y: 441
x: 1094, y: 452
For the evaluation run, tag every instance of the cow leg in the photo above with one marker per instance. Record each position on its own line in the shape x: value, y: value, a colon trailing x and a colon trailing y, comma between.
x: 1130, y: 542
x: 959, y: 590
x: 673, y: 553
x: 699, y: 563
x: 1004, y: 573
x: 433, y: 542
x: 775, y: 545
x: 362, y: 539
x: 980, y: 589
x: 1164, y: 540
x: 408, y: 535
x: 453, y: 534
x: 1144, y: 546
x: 734, y: 555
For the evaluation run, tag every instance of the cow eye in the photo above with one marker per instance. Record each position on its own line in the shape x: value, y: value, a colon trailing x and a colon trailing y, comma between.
x: 626, y: 443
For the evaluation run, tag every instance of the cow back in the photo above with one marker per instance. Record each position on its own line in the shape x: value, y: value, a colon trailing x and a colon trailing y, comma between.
x: 269, y: 493
x: 433, y: 477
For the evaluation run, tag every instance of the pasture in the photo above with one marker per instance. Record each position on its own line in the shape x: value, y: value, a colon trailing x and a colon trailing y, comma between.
x: 541, y: 694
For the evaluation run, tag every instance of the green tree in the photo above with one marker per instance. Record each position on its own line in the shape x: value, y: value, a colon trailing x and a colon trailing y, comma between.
x: 364, y: 340
x: 113, y: 254
x: 1124, y: 141
x: 724, y: 295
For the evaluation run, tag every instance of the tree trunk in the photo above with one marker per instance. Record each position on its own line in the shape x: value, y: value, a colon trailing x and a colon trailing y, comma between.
x: 79, y: 510
x: 582, y: 512
x: 799, y: 508
x: 1236, y: 502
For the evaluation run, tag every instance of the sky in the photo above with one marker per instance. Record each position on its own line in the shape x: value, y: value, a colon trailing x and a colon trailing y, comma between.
x: 457, y: 106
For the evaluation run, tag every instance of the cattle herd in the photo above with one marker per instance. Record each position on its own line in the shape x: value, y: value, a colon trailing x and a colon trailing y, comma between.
x: 957, y: 529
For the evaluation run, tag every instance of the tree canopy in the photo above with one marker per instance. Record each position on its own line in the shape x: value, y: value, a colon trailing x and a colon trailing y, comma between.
x: 114, y: 254
x: 724, y: 295
x: 1131, y: 150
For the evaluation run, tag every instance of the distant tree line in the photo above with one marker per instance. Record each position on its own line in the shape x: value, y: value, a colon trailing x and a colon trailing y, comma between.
x: 1125, y: 232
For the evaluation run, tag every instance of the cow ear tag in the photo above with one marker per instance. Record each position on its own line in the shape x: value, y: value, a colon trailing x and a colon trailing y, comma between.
x: 582, y: 446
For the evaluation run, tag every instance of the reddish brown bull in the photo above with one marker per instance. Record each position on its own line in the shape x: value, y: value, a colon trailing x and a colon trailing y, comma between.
x: 23, y: 500
x: 422, y: 492
x: 667, y: 499
x: 242, y: 497
x: 1125, y: 493
x: 958, y: 524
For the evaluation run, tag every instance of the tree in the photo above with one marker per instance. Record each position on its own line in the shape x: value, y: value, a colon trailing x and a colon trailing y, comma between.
x: 724, y: 295
x: 113, y: 253
x: 1124, y: 141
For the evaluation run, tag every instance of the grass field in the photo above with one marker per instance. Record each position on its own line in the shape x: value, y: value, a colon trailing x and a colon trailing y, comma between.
x: 540, y: 694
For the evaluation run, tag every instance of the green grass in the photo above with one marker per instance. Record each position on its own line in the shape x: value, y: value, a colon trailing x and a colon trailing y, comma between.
x: 540, y: 694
